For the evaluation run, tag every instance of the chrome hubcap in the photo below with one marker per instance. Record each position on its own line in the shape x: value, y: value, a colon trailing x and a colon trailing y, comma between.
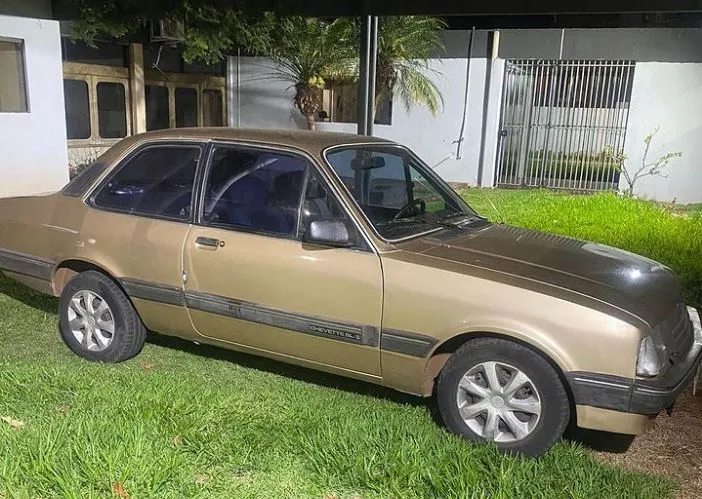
x: 91, y: 321
x: 498, y: 402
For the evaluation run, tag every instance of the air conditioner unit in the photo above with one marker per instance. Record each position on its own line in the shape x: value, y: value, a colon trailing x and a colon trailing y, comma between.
x: 167, y: 31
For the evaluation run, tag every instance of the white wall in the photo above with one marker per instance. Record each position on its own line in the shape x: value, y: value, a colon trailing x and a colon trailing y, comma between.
x: 34, y: 151
x: 267, y: 102
x: 432, y: 137
x: 264, y: 100
x: 669, y: 95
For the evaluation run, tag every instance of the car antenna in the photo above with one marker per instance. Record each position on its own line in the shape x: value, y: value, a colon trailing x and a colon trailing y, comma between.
x: 500, y: 218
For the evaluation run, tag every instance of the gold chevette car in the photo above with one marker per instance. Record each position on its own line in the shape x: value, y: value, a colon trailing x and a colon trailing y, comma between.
x: 349, y: 255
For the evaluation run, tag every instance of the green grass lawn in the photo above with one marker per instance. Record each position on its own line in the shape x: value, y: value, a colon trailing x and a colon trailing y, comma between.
x: 192, y: 421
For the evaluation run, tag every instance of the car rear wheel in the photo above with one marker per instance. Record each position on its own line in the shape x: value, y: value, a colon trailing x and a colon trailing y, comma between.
x: 493, y: 390
x: 97, y: 321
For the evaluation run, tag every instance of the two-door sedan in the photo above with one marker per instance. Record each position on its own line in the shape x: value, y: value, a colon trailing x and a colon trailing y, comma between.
x: 348, y: 254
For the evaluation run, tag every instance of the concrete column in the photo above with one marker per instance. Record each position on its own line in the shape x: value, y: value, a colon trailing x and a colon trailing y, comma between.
x: 234, y: 91
x: 368, y: 56
x: 136, y: 87
x: 491, y: 125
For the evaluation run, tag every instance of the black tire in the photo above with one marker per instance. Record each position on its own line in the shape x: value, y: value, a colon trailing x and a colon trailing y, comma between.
x: 555, y: 406
x: 129, y: 332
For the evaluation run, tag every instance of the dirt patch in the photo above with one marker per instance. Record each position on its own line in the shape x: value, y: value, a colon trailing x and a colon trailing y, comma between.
x: 673, y: 448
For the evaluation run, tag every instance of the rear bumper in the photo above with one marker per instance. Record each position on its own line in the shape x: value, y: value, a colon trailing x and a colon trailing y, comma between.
x: 638, y: 396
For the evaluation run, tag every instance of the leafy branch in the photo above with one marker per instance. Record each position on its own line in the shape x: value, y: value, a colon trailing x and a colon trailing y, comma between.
x: 309, y: 52
x: 211, y: 28
x: 646, y: 169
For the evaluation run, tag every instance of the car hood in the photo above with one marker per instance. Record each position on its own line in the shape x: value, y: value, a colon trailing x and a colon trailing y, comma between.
x: 635, y: 284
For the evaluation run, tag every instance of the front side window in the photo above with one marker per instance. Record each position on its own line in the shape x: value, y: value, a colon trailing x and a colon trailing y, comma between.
x: 157, y: 110
x: 185, y: 107
x: 397, y: 192
x: 340, y: 104
x: 256, y: 190
x: 13, y: 84
x: 112, y: 110
x: 77, y: 102
x: 212, y: 107
x: 156, y: 181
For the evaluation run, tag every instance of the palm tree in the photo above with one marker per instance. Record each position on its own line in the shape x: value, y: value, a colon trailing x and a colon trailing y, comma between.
x: 405, y: 44
x: 308, y: 51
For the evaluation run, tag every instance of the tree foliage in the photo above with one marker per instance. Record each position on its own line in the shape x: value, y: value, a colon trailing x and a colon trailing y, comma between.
x: 312, y: 51
x: 210, y: 29
x: 308, y: 51
x: 405, y: 44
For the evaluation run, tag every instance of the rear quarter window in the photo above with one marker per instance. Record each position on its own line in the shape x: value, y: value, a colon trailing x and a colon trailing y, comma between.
x: 157, y: 180
x: 81, y: 183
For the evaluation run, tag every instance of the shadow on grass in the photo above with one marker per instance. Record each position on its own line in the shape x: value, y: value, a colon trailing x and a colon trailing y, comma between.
x: 49, y: 304
x: 598, y: 441
x: 31, y: 298
x: 593, y: 440
x: 299, y: 373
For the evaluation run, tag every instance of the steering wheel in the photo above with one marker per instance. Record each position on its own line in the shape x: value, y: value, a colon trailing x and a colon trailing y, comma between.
x: 404, y: 211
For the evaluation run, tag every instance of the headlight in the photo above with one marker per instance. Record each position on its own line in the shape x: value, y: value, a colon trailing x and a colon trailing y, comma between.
x: 653, y: 357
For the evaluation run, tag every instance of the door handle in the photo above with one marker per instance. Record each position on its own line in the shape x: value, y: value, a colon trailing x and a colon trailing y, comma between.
x: 208, y: 243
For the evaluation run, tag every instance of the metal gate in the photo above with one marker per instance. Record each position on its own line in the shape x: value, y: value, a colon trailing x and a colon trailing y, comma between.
x: 561, y: 122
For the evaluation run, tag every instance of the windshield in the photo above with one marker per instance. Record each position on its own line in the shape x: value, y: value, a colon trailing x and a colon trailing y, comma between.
x: 399, y: 194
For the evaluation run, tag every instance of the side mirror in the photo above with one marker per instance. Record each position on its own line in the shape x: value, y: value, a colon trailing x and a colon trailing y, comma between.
x: 329, y: 233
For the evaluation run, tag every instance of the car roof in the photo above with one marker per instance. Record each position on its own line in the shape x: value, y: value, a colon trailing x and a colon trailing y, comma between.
x: 311, y: 141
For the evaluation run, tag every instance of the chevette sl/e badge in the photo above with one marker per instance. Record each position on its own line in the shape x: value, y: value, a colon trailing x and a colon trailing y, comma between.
x: 336, y: 332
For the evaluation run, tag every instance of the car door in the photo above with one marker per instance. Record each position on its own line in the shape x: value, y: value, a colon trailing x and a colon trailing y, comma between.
x: 253, y: 283
x: 136, y: 226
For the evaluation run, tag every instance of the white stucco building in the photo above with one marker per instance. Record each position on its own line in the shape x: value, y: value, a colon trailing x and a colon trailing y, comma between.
x: 32, y: 122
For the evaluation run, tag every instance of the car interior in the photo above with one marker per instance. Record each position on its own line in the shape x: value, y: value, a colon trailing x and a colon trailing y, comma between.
x: 159, y: 181
x: 254, y: 189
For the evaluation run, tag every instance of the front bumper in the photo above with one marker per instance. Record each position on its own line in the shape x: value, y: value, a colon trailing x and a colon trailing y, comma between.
x: 640, y: 395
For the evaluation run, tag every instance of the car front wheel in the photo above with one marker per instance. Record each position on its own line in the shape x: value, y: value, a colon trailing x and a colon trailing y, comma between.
x: 493, y: 390
x: 97, y: 321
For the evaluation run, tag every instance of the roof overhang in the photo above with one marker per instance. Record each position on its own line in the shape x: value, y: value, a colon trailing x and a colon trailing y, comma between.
x: 494, y: 8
